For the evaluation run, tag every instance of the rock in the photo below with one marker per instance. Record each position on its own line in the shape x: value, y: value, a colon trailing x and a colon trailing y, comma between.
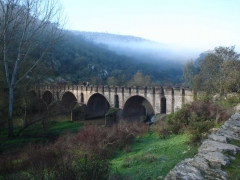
x: 211, y: 146
x: 223, y: 174
x: 228, y: 133
x: 216, y: 159
x: 216, y: 174
x: 200, y: 163
x: 184, y: 170
x: 236, y: 117
x: 218, y: 138
x: 233, y: 124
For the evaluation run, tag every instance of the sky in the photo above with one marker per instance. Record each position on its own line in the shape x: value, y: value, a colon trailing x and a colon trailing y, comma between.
x: 194, y: 24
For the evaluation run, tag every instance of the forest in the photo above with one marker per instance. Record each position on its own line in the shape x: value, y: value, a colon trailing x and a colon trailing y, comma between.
x: 77, y: 59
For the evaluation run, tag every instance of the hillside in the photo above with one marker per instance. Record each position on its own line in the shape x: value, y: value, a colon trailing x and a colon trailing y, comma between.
x: 142, y: 49
x: 84, y: 57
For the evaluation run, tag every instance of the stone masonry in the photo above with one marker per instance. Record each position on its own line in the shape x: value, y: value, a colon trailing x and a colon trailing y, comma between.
x: 165, y: 98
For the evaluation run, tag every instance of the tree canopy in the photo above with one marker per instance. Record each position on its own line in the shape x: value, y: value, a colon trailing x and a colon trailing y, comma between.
x: 218, y: 72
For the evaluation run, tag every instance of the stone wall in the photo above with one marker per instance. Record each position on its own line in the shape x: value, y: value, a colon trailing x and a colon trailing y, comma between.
x: 215, y: 152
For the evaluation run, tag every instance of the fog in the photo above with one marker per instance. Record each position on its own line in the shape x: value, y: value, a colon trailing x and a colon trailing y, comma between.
x: 142, y: 49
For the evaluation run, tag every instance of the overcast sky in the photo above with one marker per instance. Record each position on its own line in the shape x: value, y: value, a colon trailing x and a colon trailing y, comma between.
x: 197, y: 24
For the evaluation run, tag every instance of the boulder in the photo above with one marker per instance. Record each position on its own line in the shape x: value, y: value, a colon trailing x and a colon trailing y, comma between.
x: 208, y: 173
x: 184, y: 170
x: 218, y: 138
x: 215, y: 159
x: 214, y: 146
x: 236, y: 116
x: 232, y: 122
x: 200, y: 163
x: 233, y: 125
x: 228, y: 133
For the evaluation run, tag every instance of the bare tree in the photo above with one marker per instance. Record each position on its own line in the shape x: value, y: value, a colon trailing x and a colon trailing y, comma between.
x: 28, y: 29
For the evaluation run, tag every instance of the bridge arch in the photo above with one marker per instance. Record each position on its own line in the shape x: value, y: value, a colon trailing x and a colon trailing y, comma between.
x: 97, y: 106
x: 47, y: 97
x: 137, y: 106
x: 69, y: 101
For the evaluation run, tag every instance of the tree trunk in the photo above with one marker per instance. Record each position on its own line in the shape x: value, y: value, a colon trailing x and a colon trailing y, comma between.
x: 10, y: 120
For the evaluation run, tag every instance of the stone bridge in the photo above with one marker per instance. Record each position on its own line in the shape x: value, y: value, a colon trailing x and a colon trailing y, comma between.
x: 131, y: 100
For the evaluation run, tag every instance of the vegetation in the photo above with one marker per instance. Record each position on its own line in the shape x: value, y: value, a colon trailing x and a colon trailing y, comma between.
x: 92, y: 153
x: 189, y: 71
x: 217, y: 73
x: 84, y: 155
x: 151, y: 157
x: 229, y: 101
x: 233, y: 169
x: 140, y: 80
x: 77, y: 60
x: 36, y: 133
x: 195, y: 118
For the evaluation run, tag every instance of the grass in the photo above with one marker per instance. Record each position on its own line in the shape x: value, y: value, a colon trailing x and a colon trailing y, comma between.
x: 234, y: 168
x: 36, y: 133
x: 151, y: 157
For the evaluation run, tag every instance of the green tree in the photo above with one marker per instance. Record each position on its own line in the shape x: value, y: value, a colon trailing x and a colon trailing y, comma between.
x: 140, y: 80
x: 231, y: 75
x: 189, y: 71
x: 112, y: 81
x: 26, y: 31
x: 219, y: 71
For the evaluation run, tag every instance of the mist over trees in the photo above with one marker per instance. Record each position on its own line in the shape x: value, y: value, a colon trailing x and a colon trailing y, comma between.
x: 77, y: 60
x: 141, y: 49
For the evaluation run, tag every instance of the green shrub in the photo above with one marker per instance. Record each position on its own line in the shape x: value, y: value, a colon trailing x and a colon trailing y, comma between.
x: 53, y: 161
x: 195, y: 118
x: 229, y: 100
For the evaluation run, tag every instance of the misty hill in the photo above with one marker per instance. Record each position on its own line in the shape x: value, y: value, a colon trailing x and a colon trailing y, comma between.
x: 78, y: 58
x: 141, y: 49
